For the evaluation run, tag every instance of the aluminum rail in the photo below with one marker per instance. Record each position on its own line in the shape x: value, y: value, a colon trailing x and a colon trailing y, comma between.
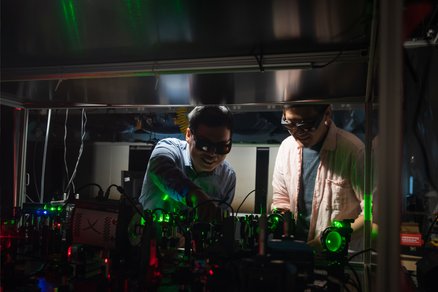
x: 389, y: 148
x: 203, y: 65
x: 369, y: 165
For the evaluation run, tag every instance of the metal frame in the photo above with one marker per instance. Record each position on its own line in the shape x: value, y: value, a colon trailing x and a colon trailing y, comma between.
x: 389, y: 146
x: 203, y: 65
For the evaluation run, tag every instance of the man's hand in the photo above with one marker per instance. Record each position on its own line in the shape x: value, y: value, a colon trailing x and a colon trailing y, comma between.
x: 315, y: 244
x: 205, y: 209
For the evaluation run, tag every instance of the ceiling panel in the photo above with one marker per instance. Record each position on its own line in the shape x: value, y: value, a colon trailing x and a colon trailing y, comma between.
x: 132, y: 52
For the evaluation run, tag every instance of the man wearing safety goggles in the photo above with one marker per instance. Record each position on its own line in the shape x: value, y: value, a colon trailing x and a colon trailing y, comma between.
x: 318, y: 173
x: 193, y: 173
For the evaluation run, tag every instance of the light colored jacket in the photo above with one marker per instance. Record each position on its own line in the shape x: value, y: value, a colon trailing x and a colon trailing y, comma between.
x: 339, y: 180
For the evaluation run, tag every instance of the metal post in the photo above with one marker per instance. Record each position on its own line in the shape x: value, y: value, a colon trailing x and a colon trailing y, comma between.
x: 389, y: 148
x: 21, y: 142
x: 368, y: 172
x: 43, y: 168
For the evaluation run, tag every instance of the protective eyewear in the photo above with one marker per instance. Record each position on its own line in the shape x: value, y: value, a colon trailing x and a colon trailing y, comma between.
x: 207, y: 146
x: 303, y: 125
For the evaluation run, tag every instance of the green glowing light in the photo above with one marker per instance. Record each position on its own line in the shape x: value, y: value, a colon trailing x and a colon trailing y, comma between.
x: 69, y: 11
x: 374, y: 232
x: 178, y: 6
x: 156, y: 180
x: 368, y: 204
x: 337, y: 224
x: 136, y: 10
x: 194, y: 200
x: 333, y: 241
x: 142, y: 222
x: 165, y: 197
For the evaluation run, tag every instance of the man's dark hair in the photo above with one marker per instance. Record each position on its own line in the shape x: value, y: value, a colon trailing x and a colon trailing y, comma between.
x: 319, y: 108
x: 211, y: 116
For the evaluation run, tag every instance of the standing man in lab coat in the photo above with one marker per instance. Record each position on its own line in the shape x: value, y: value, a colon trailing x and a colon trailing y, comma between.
x: 318, y: 174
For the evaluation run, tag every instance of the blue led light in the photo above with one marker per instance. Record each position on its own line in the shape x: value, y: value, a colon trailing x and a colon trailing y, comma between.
x: 411, y: 185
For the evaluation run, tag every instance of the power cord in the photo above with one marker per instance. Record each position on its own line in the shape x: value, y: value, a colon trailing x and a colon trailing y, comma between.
x: 244, y: 199
x: 121, y: 190
x: 99, y: 193
x: 359, y: 253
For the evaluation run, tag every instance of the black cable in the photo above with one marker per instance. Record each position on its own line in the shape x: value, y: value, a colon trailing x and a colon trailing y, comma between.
x: 260, y: 62
x: 129, y: 199
x: 337, y: 281
x: 330, y: 61
x: 359, y: 253
x: 346, y: 288
x: 107, y: 192
x: 421, y: 88
x: 259, y: 59
x: 342, y: 49
x: 100, y: 192
x: 350, y: 281
x: 244, y: 199
x: 356, y: 276
x: 38, y: 271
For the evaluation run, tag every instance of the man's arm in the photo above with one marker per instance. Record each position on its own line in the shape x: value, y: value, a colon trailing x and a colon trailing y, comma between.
x: 357, y: 227
x: 167, y: 176
x: 280, y: 196
x: 170, y: 179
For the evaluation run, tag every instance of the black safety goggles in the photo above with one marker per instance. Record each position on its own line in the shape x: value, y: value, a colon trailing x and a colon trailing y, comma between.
x: 208, y: 146
x: 303, y: 125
